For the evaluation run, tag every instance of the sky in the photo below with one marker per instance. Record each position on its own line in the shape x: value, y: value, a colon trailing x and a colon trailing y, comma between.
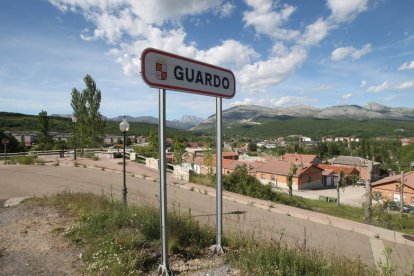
x: 283, y: 53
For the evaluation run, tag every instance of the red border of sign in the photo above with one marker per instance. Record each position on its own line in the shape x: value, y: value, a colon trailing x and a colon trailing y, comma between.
x: 202, y: 92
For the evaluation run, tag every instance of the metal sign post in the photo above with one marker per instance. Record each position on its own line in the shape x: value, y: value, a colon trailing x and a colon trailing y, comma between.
x: 218, y: 248
x: 164, y: 70
x: 163, y: 268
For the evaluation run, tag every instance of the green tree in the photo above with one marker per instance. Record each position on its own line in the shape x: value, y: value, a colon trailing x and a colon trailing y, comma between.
x: 153, y: 143
x: 178, y: 151
x: 252, y: 146
x: 289, y: 178
x: 208, y: 158
x: 14, y: 145
x: 45, y: 140
x: 90, y: 124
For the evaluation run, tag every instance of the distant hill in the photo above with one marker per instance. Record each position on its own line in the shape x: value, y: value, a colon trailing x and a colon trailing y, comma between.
x: 22, y: 122
x: 254, y: 112
x: 185, y: 123
x: 370, y: 120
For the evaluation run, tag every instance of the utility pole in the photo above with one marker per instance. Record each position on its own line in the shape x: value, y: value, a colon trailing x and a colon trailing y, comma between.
x: 368, y: 198
x: 402, y: 194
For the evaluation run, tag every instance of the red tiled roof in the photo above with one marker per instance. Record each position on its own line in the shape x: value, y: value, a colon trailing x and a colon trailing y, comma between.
x: 279, y: 167
x: 299, y: 158
x: 230, y: 153
x: 232, y: 164
x: 408, y: 180
x: 338, y: 169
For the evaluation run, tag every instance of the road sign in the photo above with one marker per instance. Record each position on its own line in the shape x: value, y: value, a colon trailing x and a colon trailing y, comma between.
x: 5, y: 141
x: 164, y: 70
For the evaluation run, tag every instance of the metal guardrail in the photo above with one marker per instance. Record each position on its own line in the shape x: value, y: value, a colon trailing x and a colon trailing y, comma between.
x: 46, y: 152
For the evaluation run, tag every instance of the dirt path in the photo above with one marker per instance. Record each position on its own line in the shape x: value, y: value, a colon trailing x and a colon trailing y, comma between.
x: 32, y: 242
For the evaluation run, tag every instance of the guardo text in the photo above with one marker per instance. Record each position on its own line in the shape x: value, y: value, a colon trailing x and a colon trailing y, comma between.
x: 191, y: 75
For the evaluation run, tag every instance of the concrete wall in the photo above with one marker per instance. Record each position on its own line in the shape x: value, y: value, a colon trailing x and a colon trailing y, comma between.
x: 105, y: 154
x: 152, y: 163
x: 182, y: 173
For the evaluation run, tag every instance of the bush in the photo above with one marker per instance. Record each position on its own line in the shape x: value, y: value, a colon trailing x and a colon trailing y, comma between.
x: 241, y: 182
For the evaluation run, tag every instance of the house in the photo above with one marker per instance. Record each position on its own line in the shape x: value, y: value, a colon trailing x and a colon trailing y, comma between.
x: 406, y: 141
x: 275, y: 172
x: 306, y: 159
x: 28, y: 138
x: 360, y: 164
x: 230, y: 155
x: 230, y: 165
x: 331, y: 173
x: 389, y: 188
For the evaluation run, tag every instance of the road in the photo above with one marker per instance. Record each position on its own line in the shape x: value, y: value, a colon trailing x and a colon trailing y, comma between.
x: 17, y: 181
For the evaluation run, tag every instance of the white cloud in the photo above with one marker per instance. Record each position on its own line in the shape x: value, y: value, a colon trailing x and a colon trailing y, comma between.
x: 346, y: 96
x: 405, y: 85
x: 406, y: 66
x: 383, y: 86
x: 267, y: 18
x: 230, y: 53
x: 262, y: 74
x: 226, y: 9
x: 343, y: 52
x: 131, y: 26
x: 363, y: 84
x: 315, y: 32
x: 346, y: 10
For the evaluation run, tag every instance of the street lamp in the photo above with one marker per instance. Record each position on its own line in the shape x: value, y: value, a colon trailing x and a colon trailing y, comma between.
x: 124, y: 127
x: 74, y: 120
x: 5, y: 142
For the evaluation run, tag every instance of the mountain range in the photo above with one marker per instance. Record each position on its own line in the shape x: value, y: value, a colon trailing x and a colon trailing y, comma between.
x: 185, y: 123
x: 251, y: 114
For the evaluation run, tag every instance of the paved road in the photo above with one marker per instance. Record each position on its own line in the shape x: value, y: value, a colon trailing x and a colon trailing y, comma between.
x: 16, y: 180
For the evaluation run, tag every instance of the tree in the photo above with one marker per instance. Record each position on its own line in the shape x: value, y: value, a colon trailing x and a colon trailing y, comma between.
x: 343, y: 181
x: 208, y: 158
x: 252, y: 146
x: 289, y: 177
x: 45, y: 140
x: 178, y: 151
x: 153, y: 143
x: 14, y: 145
x: 90, y: 123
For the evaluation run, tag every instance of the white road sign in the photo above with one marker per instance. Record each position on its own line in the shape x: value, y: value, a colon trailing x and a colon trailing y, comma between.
x: 169, y: 71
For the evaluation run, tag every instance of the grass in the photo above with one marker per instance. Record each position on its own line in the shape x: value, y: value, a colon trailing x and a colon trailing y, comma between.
x: 121, y: 240
x: 274, y: 257
x: 25, y: 160
x: 206, y: 180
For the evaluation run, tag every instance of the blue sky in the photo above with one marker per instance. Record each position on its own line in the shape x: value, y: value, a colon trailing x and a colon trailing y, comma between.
x: 283, y: 53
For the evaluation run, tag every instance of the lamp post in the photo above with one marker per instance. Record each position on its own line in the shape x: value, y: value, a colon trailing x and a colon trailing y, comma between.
x: 74, y: 120
x: 124, y: 127
x: 5, y: 142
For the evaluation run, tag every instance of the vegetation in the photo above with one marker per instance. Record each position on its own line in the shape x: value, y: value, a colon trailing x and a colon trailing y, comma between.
x: 14, y: 145
x: 23, y: 122
x: 45, y: 140
x: 90, y: 124
x: 292, y: 171
x: 241, y: 182
x: 317, y: 128
x: 25, y: 160
x: 125, y: 241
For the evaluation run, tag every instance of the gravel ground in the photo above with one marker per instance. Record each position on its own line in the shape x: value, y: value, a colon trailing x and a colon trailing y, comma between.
x: 32, y: 242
